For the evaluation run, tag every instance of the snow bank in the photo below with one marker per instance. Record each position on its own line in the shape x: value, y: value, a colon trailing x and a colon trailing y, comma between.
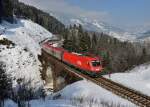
x: 42, y: 103
x: 10, y: 103
x: 90, y: 91
x: 51, y: 103
x: 1, y: 37
x: 138, y: 78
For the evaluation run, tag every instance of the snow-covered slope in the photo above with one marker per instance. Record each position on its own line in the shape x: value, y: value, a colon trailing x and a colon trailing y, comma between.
x: 26, y: 34
x: 21, y: 60
x: 21, y: 64
x: 138, y: 78
x: 90, y: 91
x: 81, y: 94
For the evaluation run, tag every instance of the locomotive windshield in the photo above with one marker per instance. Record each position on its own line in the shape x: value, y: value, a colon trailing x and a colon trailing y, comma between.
x: 96, y: 63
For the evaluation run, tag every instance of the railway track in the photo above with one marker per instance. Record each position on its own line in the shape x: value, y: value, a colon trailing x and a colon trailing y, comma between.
x: 132, y: 95
x: 125, y: 92
x: 118, y: 89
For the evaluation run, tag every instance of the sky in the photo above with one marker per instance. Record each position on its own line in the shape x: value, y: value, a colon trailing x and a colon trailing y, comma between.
x: 121, y: 13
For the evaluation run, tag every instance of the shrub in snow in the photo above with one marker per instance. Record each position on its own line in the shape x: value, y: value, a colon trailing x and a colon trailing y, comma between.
x: 7, y: 42
x: 23, y: 92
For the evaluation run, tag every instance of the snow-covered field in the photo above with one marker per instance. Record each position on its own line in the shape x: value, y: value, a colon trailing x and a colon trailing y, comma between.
x: 138, y: 78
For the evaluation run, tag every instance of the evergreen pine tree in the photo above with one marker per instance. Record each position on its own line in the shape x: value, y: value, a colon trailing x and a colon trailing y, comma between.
x: 94, y: 45
x: 94, y: 39
x: 68, y: 45
x: 5, y: 85
x: 84, y: 42
x: 8, y: 10
x: 80, y: 29
x: 1, y: 10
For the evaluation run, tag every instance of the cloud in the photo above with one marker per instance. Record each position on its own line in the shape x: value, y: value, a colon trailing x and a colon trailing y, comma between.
x: 62, y: 7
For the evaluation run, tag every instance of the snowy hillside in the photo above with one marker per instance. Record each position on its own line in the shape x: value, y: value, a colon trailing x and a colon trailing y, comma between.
x: 138, y: 78
x: 21, y: 60
x: 26, y: 34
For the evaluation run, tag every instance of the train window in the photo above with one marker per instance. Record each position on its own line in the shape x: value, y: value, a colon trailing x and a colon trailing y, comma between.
x: 96, y: 63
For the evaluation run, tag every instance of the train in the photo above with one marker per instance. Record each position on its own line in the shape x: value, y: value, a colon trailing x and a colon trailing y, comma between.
x: 85, y: 63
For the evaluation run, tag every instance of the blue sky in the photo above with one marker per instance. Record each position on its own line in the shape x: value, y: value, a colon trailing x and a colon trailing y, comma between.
x: 135, y: 12
x: 121, y: 13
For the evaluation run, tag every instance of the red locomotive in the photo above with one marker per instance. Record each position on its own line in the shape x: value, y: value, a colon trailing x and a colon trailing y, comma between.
x: 92, y: 65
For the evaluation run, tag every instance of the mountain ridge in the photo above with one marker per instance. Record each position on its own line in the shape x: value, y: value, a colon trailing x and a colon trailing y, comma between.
x: 100, y: 26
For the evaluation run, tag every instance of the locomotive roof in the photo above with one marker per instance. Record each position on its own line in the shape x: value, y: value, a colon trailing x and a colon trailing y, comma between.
x: 88, y: 56
x: 77, y: 53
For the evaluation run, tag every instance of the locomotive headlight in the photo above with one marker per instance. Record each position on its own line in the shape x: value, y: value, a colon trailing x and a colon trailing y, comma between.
x: 97, y: 69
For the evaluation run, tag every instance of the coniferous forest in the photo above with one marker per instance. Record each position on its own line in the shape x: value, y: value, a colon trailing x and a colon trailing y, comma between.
x: 38, y: 16
x: 12, y: 8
